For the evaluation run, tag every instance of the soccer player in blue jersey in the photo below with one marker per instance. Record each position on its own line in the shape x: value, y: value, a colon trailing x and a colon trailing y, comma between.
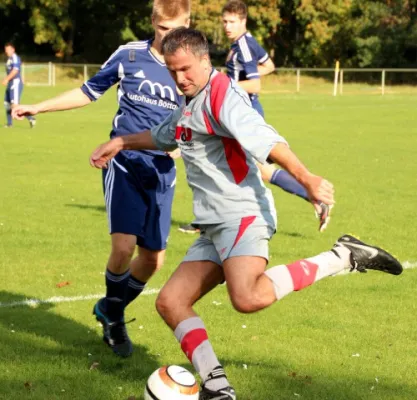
x: 138, y: 185
x: 14, y: 84
x: 246, y: 62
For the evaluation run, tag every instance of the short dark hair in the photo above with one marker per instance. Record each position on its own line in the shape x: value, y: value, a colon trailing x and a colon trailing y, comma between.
x: 236, y: 7
x: 187, y: 39
x: 9, y: 44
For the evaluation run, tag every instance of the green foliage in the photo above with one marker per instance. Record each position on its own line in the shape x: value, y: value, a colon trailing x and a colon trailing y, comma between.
x: 309, y: 33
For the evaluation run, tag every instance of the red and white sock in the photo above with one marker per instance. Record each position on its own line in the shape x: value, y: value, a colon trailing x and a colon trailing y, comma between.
x: 192, y: 335
x: 303, y: 273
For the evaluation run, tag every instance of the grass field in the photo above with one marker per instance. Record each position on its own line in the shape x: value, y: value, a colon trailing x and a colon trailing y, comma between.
x: 349, y: 337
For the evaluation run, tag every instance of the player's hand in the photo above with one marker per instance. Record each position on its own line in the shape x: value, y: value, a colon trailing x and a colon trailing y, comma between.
x: 174, y: 154
x: 20, y: 111
x: 105, y: 152
x: 320, y: 190
x: 4, y: 82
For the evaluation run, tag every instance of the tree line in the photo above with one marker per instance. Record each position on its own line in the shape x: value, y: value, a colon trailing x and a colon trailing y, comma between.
x: 296, y: 33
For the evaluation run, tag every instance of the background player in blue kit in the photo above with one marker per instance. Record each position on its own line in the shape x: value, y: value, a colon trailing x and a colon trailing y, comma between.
x: 138, y: 185
x: 14, y: 84
x: 246, y: 62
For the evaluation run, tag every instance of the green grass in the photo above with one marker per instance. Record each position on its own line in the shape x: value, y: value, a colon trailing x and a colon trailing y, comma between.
x: 53, y: 229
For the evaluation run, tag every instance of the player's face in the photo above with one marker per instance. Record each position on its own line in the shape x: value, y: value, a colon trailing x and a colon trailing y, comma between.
x: 233, y: 25
x: 163, y: 26
x: 9, y: 50
x: 190, y: 72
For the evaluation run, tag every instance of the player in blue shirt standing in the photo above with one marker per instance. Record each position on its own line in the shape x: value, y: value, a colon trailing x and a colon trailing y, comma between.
x: 246, y: 62
x: 138, y: 185
x: 14, y: 84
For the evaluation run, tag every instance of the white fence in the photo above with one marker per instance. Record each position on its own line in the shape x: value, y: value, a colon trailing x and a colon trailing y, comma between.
x: 291, y: 80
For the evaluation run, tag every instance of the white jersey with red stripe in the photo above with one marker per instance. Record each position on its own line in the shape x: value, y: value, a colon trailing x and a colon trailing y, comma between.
x: 221, y: 137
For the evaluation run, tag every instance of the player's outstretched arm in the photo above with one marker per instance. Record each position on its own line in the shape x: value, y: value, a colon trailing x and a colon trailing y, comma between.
x: 318, y: 188
x: 66, y: 101
x: 106, y: 151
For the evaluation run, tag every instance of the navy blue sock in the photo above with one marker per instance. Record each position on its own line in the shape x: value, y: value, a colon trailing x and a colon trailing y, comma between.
x: 116, y: 294
x: 9, y: 117
x: 30, y: 117
x: 287, y: 182
x: 134, y: 289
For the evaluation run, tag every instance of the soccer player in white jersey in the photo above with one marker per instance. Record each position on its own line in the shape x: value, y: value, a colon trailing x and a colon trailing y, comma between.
x: 221, y: 138
x: 138, y: 185
x: 14, y: 84
x: 246, y: 62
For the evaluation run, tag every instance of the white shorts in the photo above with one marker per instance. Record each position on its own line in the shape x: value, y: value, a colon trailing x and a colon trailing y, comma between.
x: 246, y: 237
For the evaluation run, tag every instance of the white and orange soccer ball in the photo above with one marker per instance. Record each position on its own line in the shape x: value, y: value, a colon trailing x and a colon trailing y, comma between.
x: 171, y: 383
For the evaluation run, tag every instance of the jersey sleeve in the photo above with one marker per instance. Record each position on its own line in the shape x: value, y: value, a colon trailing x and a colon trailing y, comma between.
x: 163, y: 135
x: 262, y: 55
x: 240, y: 121
x: 16, y: 62
x: 248, y: 58
x: 109, y: 74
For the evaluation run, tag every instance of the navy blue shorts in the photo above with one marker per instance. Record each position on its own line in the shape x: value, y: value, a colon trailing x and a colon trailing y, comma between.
x: 257, y: 106
x: 13, y: 92
x: 138, y: 194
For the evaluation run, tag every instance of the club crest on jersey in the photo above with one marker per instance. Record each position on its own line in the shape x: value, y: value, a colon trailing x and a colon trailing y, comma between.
x: 184, y: 136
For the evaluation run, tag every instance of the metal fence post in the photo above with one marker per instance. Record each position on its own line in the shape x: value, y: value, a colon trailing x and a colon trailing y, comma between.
x: 298, y: 80
x: 53, y: 75
x: 49, y: 74
x: 383, y: 82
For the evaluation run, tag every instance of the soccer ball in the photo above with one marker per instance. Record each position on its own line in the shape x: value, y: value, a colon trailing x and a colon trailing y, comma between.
x: 171, y: 383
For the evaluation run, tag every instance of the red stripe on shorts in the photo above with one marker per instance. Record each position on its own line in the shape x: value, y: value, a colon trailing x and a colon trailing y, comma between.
x: 244, y: 223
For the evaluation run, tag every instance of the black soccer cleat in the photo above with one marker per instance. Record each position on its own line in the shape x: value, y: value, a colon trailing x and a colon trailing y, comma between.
x: 364, y: 256
x: 32, y: 122
x: 226, y: 393
x: 114, y: 333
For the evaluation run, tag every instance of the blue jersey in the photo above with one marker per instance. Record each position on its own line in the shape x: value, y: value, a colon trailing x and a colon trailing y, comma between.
x: 242, y: 61
x: 12, y: 63
x: 146, y: 92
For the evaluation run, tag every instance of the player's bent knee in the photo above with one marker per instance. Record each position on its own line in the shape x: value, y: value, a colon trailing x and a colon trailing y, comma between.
x: 247, y: 304
x: 163, y: 304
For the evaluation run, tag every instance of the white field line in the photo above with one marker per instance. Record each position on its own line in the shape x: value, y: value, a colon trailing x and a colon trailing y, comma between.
x: 410, y: 264
x: 147, y: 292
x: 61, y: 299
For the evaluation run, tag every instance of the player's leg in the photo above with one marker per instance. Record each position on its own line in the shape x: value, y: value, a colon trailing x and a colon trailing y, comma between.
x: 8, y: 108
x: 157, y: 192
x: 251, y: 288
x: 191, y: 281
x: 124, y: 217
x: 142, y: 268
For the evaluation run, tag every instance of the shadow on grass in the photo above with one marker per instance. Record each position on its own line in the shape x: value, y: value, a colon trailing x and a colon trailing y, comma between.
x: 290, y: 234
x: 52, y: 351
x: 87, y: 207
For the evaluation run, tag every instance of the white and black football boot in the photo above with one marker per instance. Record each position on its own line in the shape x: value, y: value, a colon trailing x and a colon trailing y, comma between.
x: 364, y: 256
x: 226, y: 393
